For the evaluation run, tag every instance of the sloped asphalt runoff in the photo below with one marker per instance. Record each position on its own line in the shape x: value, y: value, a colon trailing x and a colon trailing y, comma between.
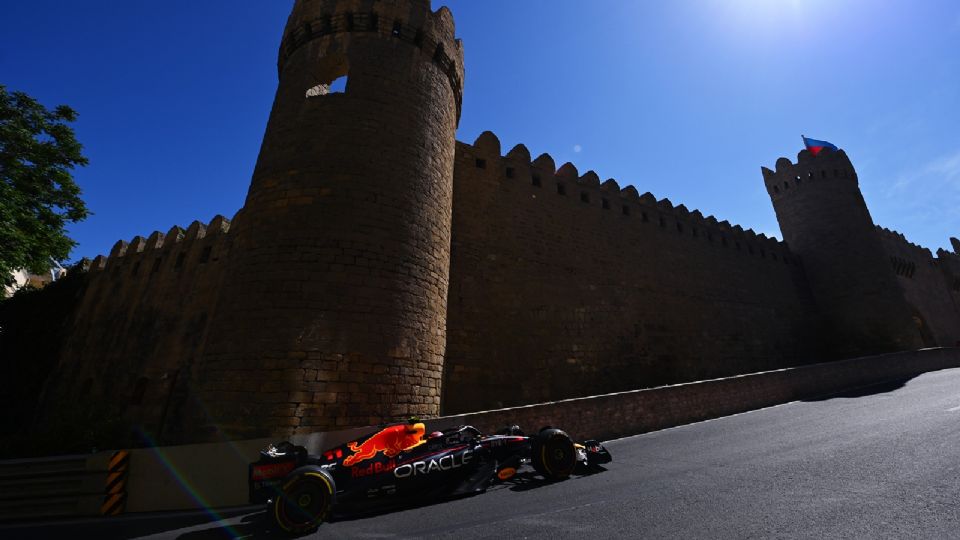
x: 881, y: 462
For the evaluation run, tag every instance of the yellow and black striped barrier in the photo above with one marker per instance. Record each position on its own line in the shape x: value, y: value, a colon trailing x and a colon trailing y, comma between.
x: 115, y: 495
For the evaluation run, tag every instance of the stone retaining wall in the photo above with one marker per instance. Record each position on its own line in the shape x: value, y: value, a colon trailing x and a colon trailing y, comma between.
x: 639, y: 411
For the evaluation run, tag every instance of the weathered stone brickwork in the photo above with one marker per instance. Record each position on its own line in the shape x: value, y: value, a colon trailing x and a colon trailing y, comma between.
x: 380, y: 269
x: 562, y: 286
x: 825, y: 221
x: 335, y: 302
x: 931, y: 287
x: 138, y: 329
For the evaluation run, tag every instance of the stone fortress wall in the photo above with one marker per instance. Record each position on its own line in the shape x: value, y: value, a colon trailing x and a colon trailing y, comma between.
x: 140, y: 324
x: 335, y: 298
x: 930, y: 284
x: 563, y: 286
x: 379, y: 268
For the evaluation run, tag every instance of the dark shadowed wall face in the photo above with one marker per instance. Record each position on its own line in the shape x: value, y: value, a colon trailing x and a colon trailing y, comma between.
x: 562, y: 286
x: 335, y: 301
x: 825, y: 221
x: 139, y: 327
x: 930, y: 286
x: 379, y: 269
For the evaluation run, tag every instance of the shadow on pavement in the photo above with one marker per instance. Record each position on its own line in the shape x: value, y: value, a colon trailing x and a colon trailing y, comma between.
x: 256, y: 525
x: 522, y: 481
x: 252, y: 526
x: 863, y: 391
x: 527, y: 480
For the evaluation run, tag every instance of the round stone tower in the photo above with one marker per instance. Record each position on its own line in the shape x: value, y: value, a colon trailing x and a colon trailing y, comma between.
x: 825, y: 221
x: 333, y: 309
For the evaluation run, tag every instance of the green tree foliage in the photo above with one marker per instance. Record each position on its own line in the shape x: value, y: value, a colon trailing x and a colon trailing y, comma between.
x: 38, y: 196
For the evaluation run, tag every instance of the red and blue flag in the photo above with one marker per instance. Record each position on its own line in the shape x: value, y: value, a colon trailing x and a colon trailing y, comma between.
x: 815, y: 146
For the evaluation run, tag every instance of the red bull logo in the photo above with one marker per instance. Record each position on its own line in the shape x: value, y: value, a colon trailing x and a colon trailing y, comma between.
x: 376, y: 467
x: 391, y: 441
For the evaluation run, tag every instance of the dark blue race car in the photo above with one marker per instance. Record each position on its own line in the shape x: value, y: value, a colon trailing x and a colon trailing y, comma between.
x: 402, y: 463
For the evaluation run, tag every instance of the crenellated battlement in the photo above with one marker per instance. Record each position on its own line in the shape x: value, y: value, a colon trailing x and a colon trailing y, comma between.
x: 383, y: 270
x: 827, y: 166
x: 195, y: 239
x: 412, y: 22
x: 905, y: 255
x: 889, y: 234
x: 587, y: 190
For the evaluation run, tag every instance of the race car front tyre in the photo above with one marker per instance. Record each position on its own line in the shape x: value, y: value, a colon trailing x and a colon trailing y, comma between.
x: 305, y: 499
x: 553, y: 454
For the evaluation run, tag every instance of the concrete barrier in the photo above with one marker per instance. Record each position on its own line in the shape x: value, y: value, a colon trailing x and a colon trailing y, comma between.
x: 639, y: 411
x: 210, y: 476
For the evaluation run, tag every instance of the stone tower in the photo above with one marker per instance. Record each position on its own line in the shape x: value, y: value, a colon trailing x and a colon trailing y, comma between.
x: 333, y: 309
x: 825, y: 221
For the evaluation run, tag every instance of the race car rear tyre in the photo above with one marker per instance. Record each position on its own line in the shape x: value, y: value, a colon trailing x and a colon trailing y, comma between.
x: 553, y: 454
x: 305, y: 499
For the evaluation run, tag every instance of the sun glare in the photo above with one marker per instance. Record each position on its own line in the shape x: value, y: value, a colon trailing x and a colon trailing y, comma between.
x: 750, y: 13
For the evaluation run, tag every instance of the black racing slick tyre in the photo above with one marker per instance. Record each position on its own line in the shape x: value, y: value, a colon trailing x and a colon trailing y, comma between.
x: 304, y: 501
x: 553, y: 454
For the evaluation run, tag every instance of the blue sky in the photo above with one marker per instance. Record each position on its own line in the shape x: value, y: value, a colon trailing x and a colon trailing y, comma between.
x: 682, y: 98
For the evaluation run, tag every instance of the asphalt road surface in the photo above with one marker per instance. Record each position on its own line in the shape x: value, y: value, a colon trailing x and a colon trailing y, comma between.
x: 882, y: 462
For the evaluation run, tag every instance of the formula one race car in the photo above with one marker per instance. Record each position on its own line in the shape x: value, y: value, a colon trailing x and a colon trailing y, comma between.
x: 401, y: 463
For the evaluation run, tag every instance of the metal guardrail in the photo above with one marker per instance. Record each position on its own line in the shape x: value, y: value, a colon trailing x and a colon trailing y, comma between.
x: 64, y: 486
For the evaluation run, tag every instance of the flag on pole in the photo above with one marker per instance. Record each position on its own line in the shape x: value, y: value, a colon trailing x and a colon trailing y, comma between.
x: 815, y: 146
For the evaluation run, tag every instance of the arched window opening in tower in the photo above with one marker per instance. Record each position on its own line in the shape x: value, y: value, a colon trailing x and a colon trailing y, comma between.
x: 330, y: 76
x: 337, y: 86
